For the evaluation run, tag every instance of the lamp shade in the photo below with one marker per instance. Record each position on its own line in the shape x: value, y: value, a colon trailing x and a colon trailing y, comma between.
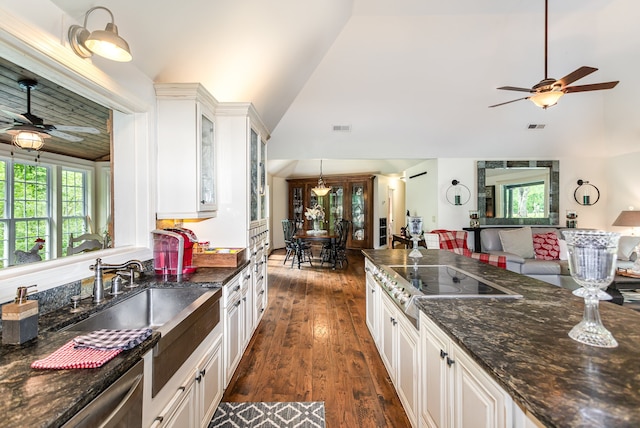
x: 321, y: 189
x: 628, y: 219
x: 108, y: 44
x: 29, y: 140
x: 546, y: 99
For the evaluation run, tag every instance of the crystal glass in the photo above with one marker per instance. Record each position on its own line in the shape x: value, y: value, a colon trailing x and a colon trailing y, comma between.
x: 415, y: 230
x: 592, y: 262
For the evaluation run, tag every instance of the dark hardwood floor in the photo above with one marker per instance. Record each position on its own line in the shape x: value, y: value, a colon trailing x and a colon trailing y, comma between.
x: 313, y: 345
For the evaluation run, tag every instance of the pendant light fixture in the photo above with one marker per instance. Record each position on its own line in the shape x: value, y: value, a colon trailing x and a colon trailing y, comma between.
x: 321, y: 189
x: 106, y: 43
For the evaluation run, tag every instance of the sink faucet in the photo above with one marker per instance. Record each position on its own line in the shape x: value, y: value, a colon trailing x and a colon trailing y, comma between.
x: 100, y: 268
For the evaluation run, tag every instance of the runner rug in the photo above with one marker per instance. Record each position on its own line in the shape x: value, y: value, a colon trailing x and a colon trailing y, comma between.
x: 269, y: 415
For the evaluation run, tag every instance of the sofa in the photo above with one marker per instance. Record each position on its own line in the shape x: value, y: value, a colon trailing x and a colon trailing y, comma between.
x: 541, y: 253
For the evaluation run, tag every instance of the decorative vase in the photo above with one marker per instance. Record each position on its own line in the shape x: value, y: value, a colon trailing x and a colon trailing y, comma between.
x: 316, y: 225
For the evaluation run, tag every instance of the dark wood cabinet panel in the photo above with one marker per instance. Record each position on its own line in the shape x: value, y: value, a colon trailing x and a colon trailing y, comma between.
x: 351, y: 198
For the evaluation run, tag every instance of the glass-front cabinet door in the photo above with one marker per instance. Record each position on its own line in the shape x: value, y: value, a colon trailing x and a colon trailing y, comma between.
x: 207, y: 191
x: 263, y: 179
x: 358, y: 215
x: 258, y: 178
x: 254, y: 175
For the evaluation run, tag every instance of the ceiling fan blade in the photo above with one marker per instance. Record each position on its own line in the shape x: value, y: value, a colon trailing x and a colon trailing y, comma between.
x: 14, y: 116
x: 84, y: 129
x: 593, y: 87
x: 515, y: 88
x: 509, y: 102
x: 64, y: 136
x: 575, y: 75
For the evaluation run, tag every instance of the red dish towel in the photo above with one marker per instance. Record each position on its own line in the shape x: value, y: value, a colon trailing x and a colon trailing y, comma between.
x: 68, y: 357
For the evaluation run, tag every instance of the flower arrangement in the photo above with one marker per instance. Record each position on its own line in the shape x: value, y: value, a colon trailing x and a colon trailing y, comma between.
x: 315, y: 213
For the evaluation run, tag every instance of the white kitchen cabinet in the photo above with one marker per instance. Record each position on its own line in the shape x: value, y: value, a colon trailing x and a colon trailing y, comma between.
x: 233, y: 325
x: 397, y: 341
x: 196, y: 398
x: 372, y: 304
x: 187, y: 158
x: 209, y: 381
x: 259, y: 241
x: 456, y: 391
x: 399, y: 351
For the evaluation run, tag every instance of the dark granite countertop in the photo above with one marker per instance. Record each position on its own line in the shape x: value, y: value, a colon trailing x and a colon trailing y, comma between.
x: 48, y: 398
x: 524, y: 345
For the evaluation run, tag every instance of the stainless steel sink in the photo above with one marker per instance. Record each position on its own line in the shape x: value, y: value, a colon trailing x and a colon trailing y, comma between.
x: 157, y: 308
x: 183, y: 316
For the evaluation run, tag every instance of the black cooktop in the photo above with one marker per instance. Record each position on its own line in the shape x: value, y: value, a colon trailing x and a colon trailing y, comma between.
x: 446, y: 281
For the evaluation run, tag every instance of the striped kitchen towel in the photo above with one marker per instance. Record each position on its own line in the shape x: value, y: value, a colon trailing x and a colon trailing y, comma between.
x: 113, y: 339
x: 70, y: 357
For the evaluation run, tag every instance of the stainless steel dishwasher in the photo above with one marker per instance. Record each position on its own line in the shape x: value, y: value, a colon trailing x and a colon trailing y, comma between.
x: 120, y: 405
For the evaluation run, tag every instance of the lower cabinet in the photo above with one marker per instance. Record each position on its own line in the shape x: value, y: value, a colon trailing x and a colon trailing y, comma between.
x: 456, y: 392
x: 197, y: 397
x: 399, y: 351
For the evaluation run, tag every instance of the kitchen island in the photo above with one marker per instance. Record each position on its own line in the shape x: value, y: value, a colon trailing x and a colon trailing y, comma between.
x: 48, y: 398
x: 523, y: 345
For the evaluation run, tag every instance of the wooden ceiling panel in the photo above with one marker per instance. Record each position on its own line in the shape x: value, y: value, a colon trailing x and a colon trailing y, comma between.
x: 57, y: 106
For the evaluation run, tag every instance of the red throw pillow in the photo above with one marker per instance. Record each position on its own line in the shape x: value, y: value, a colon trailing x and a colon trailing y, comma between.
x: 546, y: 246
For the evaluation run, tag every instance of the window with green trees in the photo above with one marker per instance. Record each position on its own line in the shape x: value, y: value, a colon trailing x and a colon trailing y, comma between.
x: 27, y: 195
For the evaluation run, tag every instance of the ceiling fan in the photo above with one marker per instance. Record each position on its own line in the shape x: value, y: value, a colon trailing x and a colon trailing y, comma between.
x: 548, y: 91
x: 31, y: 123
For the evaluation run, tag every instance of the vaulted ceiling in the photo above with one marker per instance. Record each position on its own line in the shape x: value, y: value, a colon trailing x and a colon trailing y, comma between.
x: 408, y: 78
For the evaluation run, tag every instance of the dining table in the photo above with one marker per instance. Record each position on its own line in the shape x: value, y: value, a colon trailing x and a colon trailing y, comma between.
x: 320, y: 236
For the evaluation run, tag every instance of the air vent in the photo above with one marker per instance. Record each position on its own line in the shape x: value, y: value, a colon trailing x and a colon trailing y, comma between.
x: 536, y: 126
x: 342, y: 128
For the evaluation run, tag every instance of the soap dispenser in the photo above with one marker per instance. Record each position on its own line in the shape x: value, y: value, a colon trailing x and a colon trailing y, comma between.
x: 20, y: 318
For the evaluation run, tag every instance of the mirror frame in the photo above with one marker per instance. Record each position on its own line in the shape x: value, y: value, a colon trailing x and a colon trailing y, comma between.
x: 554, y: 192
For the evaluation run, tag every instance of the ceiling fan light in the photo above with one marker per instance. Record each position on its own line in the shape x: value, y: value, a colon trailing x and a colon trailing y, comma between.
x: 29, y: 140
x: 546, y: 99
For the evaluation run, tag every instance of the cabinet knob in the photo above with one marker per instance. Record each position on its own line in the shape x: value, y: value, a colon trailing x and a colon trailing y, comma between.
x: 443, y: 354
x: 450, y: 362
x: 238, y: 303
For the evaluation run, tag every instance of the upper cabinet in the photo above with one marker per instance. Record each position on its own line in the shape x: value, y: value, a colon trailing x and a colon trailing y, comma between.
x: 187, y: 159
x: 258, y: 183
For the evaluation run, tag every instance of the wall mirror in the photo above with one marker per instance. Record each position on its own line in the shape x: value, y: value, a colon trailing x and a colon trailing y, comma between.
x: 518, y: 192
x: 61, y: 190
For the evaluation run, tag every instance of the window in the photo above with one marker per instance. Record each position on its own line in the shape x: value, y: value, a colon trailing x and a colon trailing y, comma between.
x: 28, y: 195
x: 524, y: 200
x: 74, y: 205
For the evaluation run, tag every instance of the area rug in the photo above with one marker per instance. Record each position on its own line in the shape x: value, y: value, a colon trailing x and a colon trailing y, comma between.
x: 269, y: 415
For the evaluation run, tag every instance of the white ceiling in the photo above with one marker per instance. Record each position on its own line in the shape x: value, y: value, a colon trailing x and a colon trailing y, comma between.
x: 412, y: 78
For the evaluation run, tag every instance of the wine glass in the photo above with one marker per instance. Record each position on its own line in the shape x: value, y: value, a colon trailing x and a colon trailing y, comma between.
x: 592, y: 262
x: 415, y: 230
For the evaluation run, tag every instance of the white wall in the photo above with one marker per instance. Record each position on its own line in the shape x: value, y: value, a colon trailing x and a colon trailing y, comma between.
x: 279, y: 210
x: 421, y: 193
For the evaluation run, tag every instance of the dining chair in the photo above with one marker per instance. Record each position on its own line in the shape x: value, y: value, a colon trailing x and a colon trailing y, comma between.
x: 303, y: 252
x: 339, y: 250
x: 288, y: 227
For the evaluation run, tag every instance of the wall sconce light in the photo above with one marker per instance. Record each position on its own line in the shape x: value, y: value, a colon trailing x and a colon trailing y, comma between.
x: 106, y: 43
x: 458, y: 193
x: 584, y: 193
x: 28, y: 139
